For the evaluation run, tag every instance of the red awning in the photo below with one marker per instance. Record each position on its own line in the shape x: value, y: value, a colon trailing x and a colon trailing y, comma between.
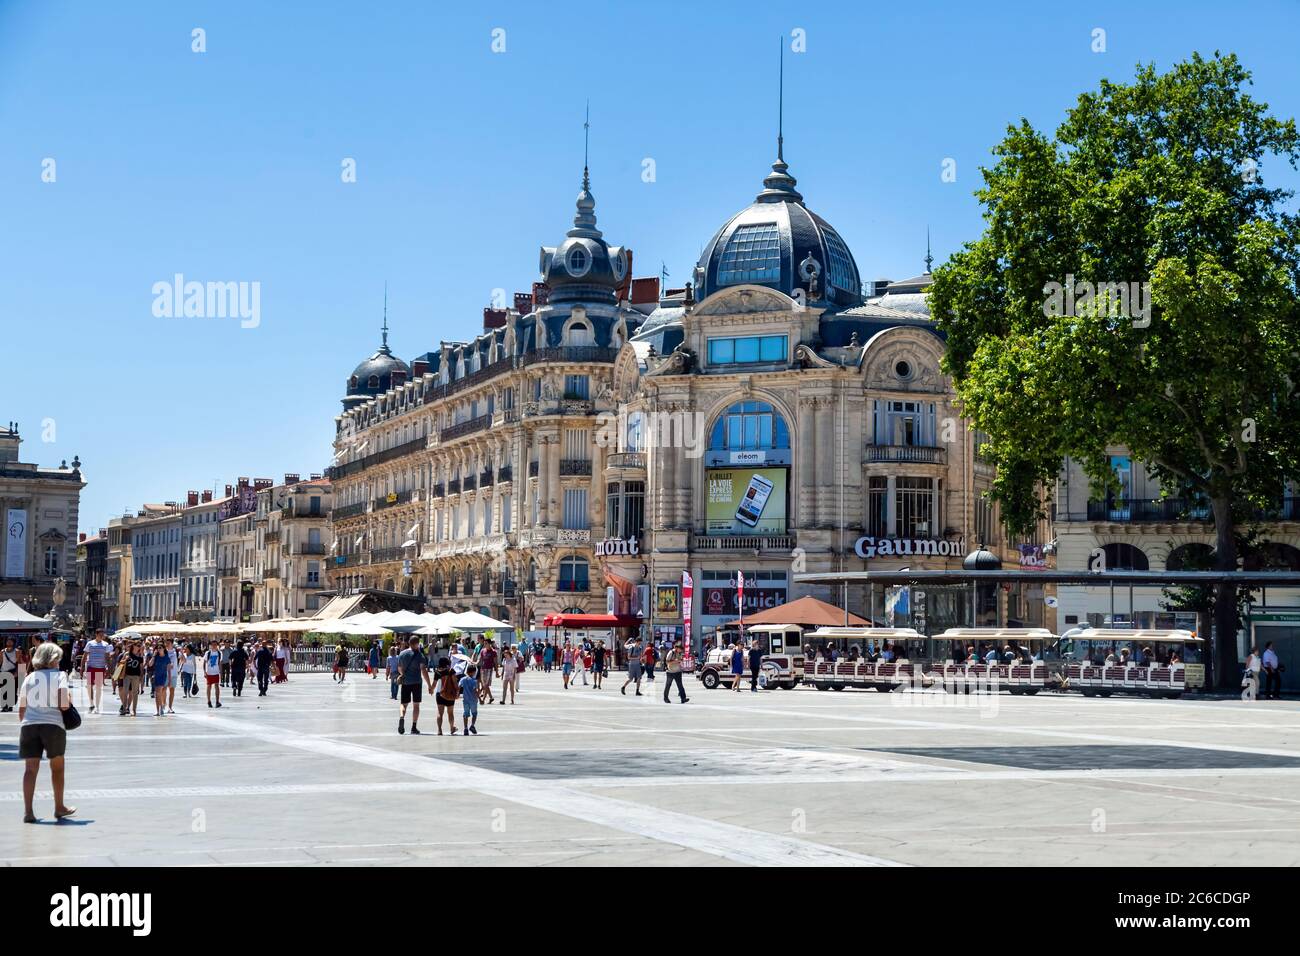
x: 591, y: 620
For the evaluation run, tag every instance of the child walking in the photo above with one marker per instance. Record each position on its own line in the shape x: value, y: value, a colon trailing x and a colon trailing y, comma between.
x: 469, y: 694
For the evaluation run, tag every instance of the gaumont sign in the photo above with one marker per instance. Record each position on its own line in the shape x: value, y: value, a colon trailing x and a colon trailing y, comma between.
x: 612, y: 547
x: 869, y: 547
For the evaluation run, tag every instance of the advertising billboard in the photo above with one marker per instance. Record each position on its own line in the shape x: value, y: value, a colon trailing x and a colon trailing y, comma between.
x: 745, y: 501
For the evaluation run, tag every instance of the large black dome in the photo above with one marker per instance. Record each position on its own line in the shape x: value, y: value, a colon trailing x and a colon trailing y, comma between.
x: 374, y: 376
x: 777, y: 241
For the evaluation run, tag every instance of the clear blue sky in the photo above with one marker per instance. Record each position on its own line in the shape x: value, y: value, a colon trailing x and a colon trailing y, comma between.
x: 225, y: 166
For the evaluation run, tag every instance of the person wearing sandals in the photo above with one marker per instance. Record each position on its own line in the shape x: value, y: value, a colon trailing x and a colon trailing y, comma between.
x: 160, y: 666
x: 446, y: 688
x: 509, y: 673
x: 42, y: 700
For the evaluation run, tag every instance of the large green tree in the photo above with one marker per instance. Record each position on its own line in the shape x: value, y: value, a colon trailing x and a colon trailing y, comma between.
x: 1161, y: 182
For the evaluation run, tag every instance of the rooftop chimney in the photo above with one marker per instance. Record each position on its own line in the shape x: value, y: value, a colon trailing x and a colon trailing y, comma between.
x: 316, y: 476
x: 645, y: 290
x: 493, y: 318
x: 191, y: 499
x: 260, y: 483
x: 81, y: 537
x: 229, y: 491
x: 419, y: 367
x: 242, y: 483
x: 207, y: 496
x: 291, y: 479
x: 541, y: 294
x: 523, y: 302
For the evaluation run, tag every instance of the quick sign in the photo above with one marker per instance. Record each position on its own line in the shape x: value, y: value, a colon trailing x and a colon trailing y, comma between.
x: 869, y: 547
x: 612, y: 547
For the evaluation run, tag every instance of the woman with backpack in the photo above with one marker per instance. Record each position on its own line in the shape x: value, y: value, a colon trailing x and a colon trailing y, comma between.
x: 446, y: 686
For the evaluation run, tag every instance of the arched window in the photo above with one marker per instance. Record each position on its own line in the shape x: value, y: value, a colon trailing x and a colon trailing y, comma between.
x: 1125, y: 557
x: 1190, y: 557
x: 580, y: 333
x: 748, y: 426
x: 487, y: 580
x: 1272, y: 556
x: 437, y: 584
x: 573, y: 574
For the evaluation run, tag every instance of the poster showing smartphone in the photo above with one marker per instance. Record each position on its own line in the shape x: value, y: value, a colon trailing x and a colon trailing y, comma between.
x: 754, y: 501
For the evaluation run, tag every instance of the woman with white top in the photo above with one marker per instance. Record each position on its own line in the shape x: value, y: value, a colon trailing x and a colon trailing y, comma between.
x: 1250, y: 683
x: 41, y: 702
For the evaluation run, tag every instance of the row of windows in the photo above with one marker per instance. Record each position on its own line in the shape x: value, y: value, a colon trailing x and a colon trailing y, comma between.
x: 749, y: 349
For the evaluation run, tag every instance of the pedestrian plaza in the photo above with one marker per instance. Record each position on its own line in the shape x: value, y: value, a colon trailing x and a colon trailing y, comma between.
x: 316, y: 774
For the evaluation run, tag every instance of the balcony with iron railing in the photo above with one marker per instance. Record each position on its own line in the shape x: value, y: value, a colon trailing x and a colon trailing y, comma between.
x: 504, y: 473
x: 393, y: 499
x: 350, y: 511
x: 453, y: 486
x: 485, y: 479
x: 532, y: 469
x: 352, y: 560
x: 1172, y: 510
x: 582, y: 354
x: 439, y: 489
x: 471, y: 427
x: 288, y: 512
x: 270, y: 572
x: 384, y: 555
x: 575, y: 466
x: 918, y: 454
x: 469, y: 483
x: 307, y: 547
x: 376, y: 458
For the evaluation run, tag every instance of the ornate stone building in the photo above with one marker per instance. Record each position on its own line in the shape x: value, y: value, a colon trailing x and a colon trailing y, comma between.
x: 780, y: 421
x: 775, y: 415
x: 39, y: 509
x: 473, y: 476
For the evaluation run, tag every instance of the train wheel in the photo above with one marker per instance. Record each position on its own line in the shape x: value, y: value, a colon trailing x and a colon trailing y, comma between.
x: 710, y: 680
x: 837, y: 686
x: 821, y: 686
x: 1105, y: 693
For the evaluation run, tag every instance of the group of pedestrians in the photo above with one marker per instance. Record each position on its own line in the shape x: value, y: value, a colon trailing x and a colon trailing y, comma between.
x: 409, y: 673
x: 133, y: 667
x: 1268, y: 667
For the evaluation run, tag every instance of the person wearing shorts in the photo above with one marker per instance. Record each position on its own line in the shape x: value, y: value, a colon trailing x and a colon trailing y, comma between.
x: 412, y: 674
x: 633, y: 666
x: 212, y: 671
x: 95, y: 662
x: 487, y: 666
x: 469, y: 695
x: 446, y: 687
x: 42, y: 700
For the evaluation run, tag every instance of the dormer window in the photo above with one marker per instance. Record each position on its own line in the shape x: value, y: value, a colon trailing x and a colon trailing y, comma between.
x: 577, y: 262
x: 372, y: 382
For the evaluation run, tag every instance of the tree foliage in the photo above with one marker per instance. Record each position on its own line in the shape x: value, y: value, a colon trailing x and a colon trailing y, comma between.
x: 1157, y: 181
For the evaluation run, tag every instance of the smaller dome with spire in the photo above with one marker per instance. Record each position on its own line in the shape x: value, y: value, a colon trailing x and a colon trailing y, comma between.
x: 378, y: 373
x: 584, y: 268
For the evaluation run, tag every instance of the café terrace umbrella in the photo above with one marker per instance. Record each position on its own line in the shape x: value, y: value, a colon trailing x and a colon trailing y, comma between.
x: 402, y: 620
x: 806, y: 612
x: 14, y: 618
x: 474, y: 621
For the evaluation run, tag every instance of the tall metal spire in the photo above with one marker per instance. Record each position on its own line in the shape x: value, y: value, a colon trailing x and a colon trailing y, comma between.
x: 584, y: 222
x: 780, y: 103
x: 929, y: 259
x: 779, y: 184
x: 586, y: 135
x: 384, y: 348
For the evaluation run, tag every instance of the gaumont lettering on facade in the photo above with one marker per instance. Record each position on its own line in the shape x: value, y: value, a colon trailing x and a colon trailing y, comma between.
x: 76, y: 909
x: 869, y: 547
x: 612, y: 547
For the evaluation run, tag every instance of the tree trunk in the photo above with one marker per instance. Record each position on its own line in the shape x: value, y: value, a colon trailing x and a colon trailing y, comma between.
x: 1227, y: 665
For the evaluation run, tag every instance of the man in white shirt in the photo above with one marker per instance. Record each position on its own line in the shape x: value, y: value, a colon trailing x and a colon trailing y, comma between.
x: 1272, y: 674
x: 212, y: 671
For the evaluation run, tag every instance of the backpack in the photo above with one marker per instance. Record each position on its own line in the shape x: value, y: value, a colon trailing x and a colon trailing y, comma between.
x: 447, y: 686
